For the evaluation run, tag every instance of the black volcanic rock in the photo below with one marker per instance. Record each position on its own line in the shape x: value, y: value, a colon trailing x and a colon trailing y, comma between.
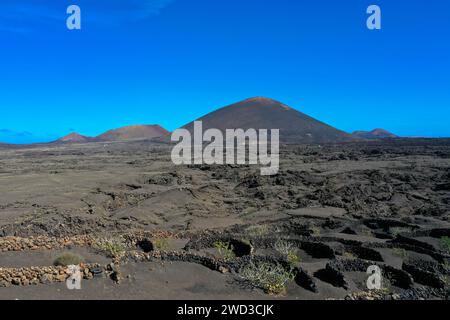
x: 264, y: 113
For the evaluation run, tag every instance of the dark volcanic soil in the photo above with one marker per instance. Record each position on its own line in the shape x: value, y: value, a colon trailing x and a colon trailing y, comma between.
x: 341, y: 209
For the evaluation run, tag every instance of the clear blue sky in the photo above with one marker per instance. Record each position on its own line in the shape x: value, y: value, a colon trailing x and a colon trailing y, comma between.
x: 168, y: 62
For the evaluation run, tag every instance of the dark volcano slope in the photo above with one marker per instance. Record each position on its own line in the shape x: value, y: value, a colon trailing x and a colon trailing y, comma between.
x: 264, y: 113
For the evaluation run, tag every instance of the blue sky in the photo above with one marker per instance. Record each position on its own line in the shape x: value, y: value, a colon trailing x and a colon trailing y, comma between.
x: 171, y: 61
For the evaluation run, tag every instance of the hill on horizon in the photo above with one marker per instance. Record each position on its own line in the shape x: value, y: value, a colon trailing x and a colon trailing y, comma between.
x: 265, y: 113
x: 134, y: 132
x: 374, y: 134
x: 256, y: 113
x: 75, y: 137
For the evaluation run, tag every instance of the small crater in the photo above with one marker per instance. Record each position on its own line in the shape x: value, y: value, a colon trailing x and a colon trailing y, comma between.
x: 241, y: 248
x: 145, y: 245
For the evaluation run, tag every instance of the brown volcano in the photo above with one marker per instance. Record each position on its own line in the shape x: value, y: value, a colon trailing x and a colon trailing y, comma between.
x: 137, y: 132
x: 74, y: 137
x: 374, y: 134
x: 264, y: 113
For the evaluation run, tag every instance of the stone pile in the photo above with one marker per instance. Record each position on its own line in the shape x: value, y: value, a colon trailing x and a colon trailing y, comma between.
x: 41, y: 275
x: 42, y: 243
x: 135, y: 237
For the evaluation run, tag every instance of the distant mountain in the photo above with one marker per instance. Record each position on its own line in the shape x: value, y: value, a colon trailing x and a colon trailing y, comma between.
x: 75, y: 137
x: 137, y: 132
x: 374, y: 134
x: 264, y: 113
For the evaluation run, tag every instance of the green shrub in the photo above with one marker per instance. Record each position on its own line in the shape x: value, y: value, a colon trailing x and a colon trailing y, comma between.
x: 366, y: 231
x: 293, y: 258
x: 400, y: 252
x: 395, y: 231
x: 112, y: 247
x: 446, y: 280
x: 283, y: 247
x: 270, y: 277
x: 445, y: 244
x: 446, y: 265
x: 225, y: 249
x: 258, y: 230
x: 161, y: 244
x: 315, y: 231
x: 67, y: 259
x: 348, y: 255
x: 288, y: 250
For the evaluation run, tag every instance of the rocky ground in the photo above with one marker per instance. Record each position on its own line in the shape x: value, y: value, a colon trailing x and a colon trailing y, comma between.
x: 148, y: 229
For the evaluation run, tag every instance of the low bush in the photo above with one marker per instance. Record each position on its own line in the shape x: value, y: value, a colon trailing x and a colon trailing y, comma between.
x: 67, y: 259
x: 445, y: 244
x: 288, y: 250
x: 112, y: 247
x: 270, y: 277
x: 225, y: 249
x: 161, y: 244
